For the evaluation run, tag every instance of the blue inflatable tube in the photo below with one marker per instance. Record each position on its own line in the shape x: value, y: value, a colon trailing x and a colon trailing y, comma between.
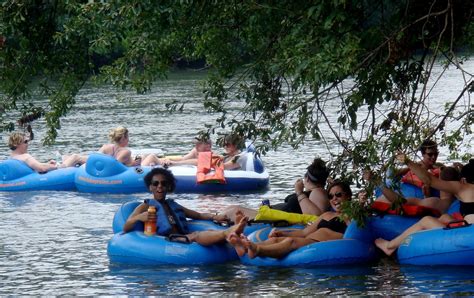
x: 334, y: 252
x: 443, y: 246
x: 136, y: 248
x: 16, y: 175
x: 408, y: 190
x: 104, y: 174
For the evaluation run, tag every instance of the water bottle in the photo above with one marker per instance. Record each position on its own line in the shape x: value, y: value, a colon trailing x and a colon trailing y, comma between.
x: 150, y: 224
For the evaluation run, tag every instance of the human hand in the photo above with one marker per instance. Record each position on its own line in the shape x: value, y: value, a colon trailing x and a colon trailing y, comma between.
x: 299, y: 186
x: 143, y: 217
x: 426, y: 190
x: 367, y: 175
x: 276, y: 233
x: 401, y: 157
x: 362, y: 196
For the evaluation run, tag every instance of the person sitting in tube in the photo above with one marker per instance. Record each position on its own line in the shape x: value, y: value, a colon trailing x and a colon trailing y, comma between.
x: 429, y: 152
x: 201, y: 144
x: 463, y: 190
x: 18, y: 143
x: 309, y: 197
x: 328, y: 226
x: 118, y: 149
x: 441, y: 203
x: 171, y: 216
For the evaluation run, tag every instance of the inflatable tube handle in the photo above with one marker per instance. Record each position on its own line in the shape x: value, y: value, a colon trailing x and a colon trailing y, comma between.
x: 178, y: 238
x: 457, y: 224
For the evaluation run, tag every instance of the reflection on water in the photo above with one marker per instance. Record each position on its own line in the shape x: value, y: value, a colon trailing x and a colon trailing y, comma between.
x: 54, y: 243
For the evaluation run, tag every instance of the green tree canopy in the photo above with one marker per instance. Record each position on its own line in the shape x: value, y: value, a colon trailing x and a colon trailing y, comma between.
x: 285, y: 60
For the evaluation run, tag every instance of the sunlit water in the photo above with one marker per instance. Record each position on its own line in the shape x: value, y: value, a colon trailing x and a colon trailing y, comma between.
x: 54, y: 243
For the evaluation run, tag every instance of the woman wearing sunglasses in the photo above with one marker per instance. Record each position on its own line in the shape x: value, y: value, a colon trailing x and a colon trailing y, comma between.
x: 171, y: 216
x: 18, y: 143
x: 462, y: 189
x: 329, y: 226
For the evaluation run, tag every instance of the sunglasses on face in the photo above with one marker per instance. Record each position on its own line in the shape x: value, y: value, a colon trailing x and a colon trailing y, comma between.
x: 432, y: 154
x: 163, y: 183
x: 337, y: 195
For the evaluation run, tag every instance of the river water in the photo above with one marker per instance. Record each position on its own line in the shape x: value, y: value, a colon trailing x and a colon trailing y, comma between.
x: 54, y: 243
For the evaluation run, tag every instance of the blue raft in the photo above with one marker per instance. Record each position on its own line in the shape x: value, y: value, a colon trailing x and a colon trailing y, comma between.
x: 443, y: 246
x: 16, y: 175
x: 335, y: 252
x: 138, y: 249
x: 104, y: 174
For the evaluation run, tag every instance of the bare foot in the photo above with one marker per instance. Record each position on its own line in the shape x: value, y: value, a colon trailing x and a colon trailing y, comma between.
x: 239, y: 227
x: 238, y: 216
x: 383, y: 245
x: 236, y: 241
x: 252, y: 249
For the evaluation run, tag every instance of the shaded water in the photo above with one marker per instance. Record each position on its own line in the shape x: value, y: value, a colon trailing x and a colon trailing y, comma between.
x: 54, y: 243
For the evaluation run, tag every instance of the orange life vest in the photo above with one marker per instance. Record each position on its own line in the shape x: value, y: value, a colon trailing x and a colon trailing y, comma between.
x: 406, y: 209
x: 210, y: 169
x: 411, y: 178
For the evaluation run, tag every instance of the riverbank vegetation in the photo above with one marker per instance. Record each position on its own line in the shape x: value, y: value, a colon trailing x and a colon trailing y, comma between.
x: 287, y: 61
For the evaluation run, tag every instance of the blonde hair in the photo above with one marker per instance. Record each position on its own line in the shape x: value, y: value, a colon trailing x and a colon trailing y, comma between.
x: 15, y: 139
x: 116, y: 134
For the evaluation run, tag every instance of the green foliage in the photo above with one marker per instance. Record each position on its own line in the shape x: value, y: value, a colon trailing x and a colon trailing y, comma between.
x: 287, y: 62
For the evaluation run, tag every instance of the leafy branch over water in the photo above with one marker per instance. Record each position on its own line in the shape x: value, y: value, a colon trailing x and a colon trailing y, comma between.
x: 288, y: 62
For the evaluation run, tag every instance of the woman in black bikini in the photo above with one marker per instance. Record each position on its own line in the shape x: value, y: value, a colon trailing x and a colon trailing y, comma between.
x: 310, y: 196
x: 462, y: 189
x: 329, y: 226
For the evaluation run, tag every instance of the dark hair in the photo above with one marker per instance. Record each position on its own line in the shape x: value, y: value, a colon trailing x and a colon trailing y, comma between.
x: 449, y: 174
x: 428, y: 144
x: 161, y: 171
x: 467, y: 171
x: 234, y: 140
x: 342, y: 184
x: 317, y: 172
x: 202, y: 139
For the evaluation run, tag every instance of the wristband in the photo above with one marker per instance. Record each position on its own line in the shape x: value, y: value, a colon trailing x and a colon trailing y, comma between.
x: 303, y: 196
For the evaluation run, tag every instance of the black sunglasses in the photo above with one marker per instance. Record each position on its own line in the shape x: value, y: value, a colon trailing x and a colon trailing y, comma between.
x: 337, y: 195
x: 163, y: 183
x: 432, y: 154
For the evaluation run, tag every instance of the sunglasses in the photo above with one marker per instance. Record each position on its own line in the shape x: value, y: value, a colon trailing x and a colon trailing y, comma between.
x: 337, y: 195
x: 163, y: 183
x: 432, y: 154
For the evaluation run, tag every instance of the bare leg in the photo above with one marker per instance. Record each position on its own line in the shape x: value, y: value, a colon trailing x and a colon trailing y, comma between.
x: 73, y: 160
x: 231, y: 211
x: 278, y: 249
x: 426, y: 223
x: 150, y: 160
x: 212, y: 237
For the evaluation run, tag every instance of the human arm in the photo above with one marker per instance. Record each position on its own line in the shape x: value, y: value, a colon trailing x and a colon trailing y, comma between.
x: 125, y: 157
x: 316, y: 203
x: 139, y: 214
x: 40, y: 166
x: 232, y: 164
x: 205, y: 216
x: 172, y: 162
x: 452, y: 187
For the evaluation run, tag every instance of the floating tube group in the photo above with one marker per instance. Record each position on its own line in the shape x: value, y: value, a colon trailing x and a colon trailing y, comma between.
x: 104, y: 174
